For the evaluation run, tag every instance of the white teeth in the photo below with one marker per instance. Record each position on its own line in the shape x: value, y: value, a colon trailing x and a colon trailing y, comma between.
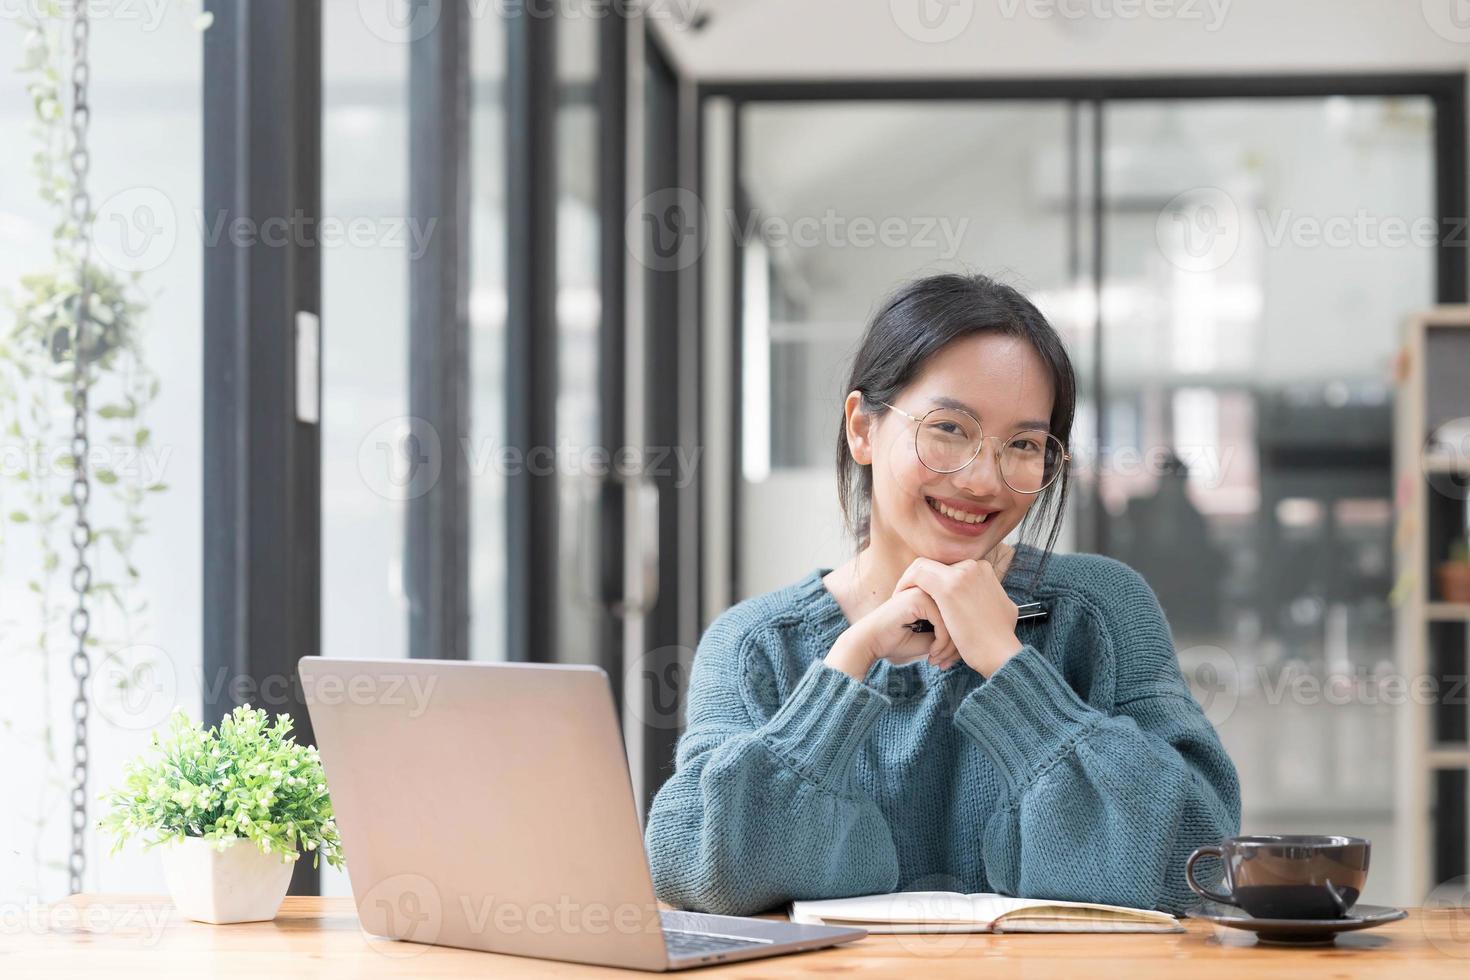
x: 958, y: 515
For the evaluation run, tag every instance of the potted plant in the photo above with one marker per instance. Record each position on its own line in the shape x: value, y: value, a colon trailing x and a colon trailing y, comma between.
x: 1454, y: 574
x: 232, y: 807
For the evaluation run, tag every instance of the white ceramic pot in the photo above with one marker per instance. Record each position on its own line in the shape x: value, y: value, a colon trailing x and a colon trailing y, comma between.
x: 238, y: 884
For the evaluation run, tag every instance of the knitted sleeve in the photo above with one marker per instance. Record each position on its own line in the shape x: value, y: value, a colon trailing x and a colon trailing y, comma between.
x: 1102, y: 806
x: 763, y: 806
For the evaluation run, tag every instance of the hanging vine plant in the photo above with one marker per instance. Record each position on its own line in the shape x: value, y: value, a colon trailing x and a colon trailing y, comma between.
x: 56, y: 346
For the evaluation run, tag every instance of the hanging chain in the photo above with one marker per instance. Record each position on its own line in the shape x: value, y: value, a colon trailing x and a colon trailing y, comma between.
x: 81, y: 535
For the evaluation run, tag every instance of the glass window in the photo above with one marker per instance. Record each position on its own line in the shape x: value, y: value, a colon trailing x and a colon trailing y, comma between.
x: 579, y: 323
x: 1260, y: 257
x: 365, y: 413
x: 487, y: 340
x: 146, y: 183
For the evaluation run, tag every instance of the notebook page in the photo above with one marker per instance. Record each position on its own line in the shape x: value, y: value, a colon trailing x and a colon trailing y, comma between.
x: 1011, y: 913
x: 952, y: 912
x: 908, y: 928
x: 987, y: 906
x: 898, y: 907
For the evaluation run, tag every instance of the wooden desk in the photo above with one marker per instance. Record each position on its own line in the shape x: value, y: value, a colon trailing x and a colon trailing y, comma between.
x: 142, y: 936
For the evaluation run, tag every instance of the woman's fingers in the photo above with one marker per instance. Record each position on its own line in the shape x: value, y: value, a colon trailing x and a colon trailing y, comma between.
x: 943, y: 647
x: 930, y: 578
x: 910, y: 647
x: 942, y: 639
x: 905, y: 607
x: 940, y: 655
x: 916, y: 603
x: 923, y: 606
x: 925, y: 573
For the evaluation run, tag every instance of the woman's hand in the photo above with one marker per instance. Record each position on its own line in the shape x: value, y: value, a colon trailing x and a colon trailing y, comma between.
x: 979, y: 618
x: 883, y: 634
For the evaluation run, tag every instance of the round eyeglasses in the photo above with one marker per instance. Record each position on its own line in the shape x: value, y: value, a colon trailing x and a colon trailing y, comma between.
x: 947, y: 440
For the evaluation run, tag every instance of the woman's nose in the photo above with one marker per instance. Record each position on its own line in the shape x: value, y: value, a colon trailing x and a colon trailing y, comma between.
x: 982, y: 476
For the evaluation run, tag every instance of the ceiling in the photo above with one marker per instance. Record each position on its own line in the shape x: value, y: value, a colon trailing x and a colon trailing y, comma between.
x: 764, y: 39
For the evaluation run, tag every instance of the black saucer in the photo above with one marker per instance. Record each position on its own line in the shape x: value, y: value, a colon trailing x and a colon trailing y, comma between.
x: 1297, y: 930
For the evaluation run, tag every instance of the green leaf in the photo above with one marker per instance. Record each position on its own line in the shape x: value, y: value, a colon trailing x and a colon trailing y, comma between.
x: 241, y: 778
x: 19, y: 517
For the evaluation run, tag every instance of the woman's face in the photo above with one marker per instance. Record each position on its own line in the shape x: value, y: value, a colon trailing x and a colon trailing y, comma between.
x: 999, y: 380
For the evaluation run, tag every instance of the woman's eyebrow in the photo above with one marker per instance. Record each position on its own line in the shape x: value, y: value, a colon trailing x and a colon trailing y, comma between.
x: 943, y: 401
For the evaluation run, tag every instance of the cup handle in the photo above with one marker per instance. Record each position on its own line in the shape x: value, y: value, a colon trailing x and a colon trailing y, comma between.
x: 1209, y: 850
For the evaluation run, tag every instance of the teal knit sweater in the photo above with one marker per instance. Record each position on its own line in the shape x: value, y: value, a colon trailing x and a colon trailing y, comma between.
x: 1081, y: 769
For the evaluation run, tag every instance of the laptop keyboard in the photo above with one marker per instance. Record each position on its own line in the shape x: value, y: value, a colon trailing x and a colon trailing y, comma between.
x: 683, y: 943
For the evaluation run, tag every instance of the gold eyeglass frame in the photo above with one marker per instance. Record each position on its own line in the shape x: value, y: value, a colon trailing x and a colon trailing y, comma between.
x: 1066, y: 456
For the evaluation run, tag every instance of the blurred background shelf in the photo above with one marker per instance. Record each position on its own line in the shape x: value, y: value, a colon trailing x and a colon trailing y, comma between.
x: 1432, y: 410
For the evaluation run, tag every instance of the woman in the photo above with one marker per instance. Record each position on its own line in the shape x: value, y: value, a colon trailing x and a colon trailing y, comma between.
x: 831, y: 750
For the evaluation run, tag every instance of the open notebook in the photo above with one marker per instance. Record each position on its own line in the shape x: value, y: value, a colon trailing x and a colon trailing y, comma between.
x: 984, y: 912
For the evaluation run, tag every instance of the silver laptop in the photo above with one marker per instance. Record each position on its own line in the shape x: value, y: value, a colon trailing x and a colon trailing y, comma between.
x: 488, y: 806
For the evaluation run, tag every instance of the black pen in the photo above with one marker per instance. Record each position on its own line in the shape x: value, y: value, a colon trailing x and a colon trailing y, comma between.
x: 1028, y: 610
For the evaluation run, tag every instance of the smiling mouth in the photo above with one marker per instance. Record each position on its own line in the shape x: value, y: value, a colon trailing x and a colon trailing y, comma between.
x: 972, y: 518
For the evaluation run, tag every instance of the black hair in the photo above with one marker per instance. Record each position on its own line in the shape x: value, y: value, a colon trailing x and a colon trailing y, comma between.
x: 914, y: 323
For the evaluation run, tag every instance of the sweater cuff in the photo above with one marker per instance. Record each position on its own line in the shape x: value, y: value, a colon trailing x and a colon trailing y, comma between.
x: 823, y: 723
x: 1025, y: 716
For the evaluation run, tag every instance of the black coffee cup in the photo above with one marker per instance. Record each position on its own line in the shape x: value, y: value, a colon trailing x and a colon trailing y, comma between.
x: 1287, y: 876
